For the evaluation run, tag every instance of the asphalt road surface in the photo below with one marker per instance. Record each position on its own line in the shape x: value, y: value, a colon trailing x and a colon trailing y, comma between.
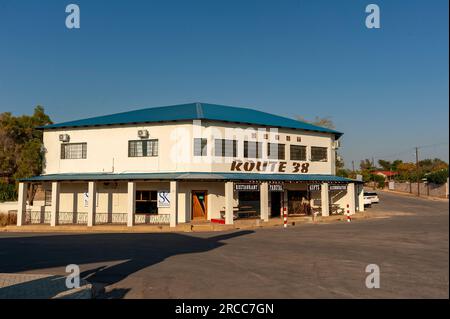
x: 411, y: 249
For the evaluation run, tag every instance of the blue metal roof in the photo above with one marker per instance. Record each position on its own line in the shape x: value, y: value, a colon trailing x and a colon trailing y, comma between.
x: 190, y: 176
x: 195, y: 111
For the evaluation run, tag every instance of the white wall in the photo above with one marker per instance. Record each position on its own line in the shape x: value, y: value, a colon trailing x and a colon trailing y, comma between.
x: 107, y: 148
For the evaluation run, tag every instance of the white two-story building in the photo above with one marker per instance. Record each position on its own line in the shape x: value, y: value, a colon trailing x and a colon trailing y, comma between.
x: 186, y: 163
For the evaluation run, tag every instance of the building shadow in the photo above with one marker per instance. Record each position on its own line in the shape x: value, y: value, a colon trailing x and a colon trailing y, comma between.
x: 133, y: 251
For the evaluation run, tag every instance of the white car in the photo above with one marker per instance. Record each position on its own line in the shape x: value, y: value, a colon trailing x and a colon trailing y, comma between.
x: 372, y: 197
x: 367, y: 202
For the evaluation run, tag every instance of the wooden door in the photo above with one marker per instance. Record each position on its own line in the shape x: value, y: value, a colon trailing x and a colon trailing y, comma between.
x: 199, y: 206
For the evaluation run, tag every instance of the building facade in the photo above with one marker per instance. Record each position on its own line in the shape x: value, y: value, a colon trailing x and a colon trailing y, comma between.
x: 186, y: 163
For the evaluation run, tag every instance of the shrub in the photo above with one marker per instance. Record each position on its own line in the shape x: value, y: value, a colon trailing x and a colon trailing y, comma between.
x: 438, y: 177
x: 7, y: 192
x: 378, y: 179
x: 8, y: 219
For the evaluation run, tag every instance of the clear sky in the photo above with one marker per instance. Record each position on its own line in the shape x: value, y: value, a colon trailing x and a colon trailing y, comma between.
x: 386, y: 89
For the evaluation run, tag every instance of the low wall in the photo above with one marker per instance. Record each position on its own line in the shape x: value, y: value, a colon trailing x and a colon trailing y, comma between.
x: 5, y: 207
x: 425, y: 189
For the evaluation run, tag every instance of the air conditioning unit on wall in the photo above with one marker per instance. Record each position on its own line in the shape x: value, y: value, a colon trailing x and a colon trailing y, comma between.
x: 143, y: 133
x: 336, y: 144
x: 64, y: 138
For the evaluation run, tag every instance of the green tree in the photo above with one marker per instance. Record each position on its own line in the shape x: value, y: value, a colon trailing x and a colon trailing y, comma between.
x: 319, y: 121
x: 438, y: 177
x: 21, y: 144
x: 385, y: 165
x: 366, y: 165
x: 432, y: 165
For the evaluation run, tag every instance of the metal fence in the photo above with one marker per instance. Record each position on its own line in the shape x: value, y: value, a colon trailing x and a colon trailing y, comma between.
x: 72, y: 218
x: 81, y: 218
x: 152, y: 219
x: 36, y: 217
x: 111, y: 218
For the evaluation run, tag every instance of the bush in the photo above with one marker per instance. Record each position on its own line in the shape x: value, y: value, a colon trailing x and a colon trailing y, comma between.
x: 8, y: 219
x: 377, y: 179
x: 7, y: 192
x: 439, y: 177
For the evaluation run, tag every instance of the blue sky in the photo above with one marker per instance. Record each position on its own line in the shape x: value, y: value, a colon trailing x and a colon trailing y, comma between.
x: 386, y: 89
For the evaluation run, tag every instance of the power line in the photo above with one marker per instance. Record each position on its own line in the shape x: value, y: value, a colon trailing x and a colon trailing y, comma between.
x: 409, y: 150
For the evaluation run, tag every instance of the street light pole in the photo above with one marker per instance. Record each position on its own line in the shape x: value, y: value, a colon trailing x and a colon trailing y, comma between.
x: 417, y: 171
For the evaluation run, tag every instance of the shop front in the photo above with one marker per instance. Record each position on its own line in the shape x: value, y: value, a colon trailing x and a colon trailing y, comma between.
x: 182, y: 198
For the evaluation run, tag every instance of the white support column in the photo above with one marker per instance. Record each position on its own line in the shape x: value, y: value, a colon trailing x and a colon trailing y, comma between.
x: 351, y: 197
x: 229, y: 203
x: 325, y: 199
x: 264, y: 201
x: 22, y: 203
x: 131, y: 206
x: 92, y: 204
x: 55, y: 204
x: 360, y: 197
x: 173, y: 203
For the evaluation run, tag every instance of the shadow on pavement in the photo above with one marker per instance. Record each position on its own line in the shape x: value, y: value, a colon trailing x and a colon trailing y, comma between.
x: 136, y: 251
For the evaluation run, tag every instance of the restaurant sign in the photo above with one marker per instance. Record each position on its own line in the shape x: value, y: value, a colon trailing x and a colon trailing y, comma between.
x: 246, y: 187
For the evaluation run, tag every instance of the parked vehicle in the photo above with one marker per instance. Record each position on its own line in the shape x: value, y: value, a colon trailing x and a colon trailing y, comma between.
x: 372, y: 196
x: 367, y: 201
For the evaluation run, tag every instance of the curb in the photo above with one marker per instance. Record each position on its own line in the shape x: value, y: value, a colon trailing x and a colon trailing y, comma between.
x: 414, y: 195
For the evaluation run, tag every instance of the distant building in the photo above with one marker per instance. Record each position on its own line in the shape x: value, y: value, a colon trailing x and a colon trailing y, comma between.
x: 386, y: 174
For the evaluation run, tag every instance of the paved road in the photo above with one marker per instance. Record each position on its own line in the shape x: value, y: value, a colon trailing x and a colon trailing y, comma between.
x: 305, y: 261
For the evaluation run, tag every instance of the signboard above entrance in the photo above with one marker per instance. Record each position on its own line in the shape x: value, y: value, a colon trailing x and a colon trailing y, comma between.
x: 276, y: 188
x: 318, y: 187
x: 314, y: 187
x: 246, y: 187
x: 337, y: 187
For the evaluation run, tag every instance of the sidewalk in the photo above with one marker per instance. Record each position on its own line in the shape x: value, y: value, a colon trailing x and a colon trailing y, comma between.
x: 28, y: 286
x: 188, y: 227
x: 411, y: 195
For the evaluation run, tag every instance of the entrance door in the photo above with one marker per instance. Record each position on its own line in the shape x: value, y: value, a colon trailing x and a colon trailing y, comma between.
x: 298, y: 203
x: 199, y: 207
x: 275, y: 203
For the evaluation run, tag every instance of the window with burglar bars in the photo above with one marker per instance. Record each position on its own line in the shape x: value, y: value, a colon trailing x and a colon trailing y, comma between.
x: 319, y: 154
x: 200, y: 146
x: 143, y: 148
x: 298, y: 153
x: 275, y: 151
x: 48, y: 198
x: 225, y: 148
x: 252, y: 149
x: 73, y: 151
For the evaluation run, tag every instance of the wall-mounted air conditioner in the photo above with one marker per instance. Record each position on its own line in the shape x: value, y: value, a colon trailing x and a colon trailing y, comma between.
x: 143, y: 133
x: 64, y: 138
x: 336, y: 144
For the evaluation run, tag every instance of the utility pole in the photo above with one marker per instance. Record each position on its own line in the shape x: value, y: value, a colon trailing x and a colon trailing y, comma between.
x: 353, y: 166
x: 417, y: 171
